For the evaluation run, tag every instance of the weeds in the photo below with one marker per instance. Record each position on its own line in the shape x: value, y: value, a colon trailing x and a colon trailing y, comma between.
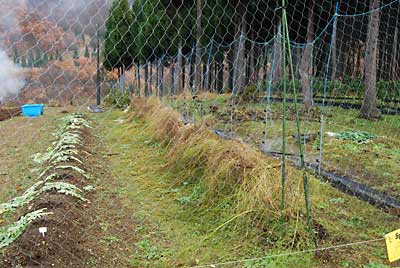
x: 359, y: 137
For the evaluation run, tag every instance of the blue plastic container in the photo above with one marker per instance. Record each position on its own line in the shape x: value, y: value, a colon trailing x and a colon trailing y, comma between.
x: 32, y: 110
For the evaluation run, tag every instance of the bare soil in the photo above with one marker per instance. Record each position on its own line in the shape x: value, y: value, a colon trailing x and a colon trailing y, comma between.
x: 7, y: 113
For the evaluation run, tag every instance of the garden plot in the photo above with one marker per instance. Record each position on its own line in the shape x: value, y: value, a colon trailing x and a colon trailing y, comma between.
x: 45, y: 223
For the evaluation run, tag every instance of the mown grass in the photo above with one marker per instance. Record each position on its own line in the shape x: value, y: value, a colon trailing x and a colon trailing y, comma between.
x: 177, y: 229
x: 171, y: 233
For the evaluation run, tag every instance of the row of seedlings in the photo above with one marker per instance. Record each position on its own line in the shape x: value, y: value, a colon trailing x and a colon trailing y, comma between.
x: 62, y: 174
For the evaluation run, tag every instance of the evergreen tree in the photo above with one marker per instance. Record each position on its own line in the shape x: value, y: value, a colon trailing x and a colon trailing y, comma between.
x: 45, y: 60
x: 87, y: 53
x: 31, y: 60
x: 58, y: 56
x: 23, y: 62
x: 38, y: 60
x: 76, y: 53
x: 150, y: 28
x: 51, y: 57
x: 118, y: 49
x: 16, y: 56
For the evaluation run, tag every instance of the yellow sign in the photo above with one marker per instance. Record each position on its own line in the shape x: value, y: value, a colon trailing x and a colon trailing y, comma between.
x: 393, y: 245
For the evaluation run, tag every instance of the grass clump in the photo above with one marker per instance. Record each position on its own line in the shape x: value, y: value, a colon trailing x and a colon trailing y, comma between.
x: 229, y: 173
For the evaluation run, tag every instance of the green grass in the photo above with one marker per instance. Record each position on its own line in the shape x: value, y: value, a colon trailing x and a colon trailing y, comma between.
x: 376, y: 164
x: 171, y: 234
x: 23, y: 137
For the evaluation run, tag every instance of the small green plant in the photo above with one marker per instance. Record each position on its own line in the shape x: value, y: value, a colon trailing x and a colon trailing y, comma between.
x: 359, y: 137
x: 374, y: 265
x: 110, y: 239
x: 195, y: 195
x: 117, y: 99
x: 11, y: 232
x: 250, y: 93
x: 147, y: 250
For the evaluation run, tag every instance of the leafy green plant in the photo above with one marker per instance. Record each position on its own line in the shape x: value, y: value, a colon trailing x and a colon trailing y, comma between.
x: 64, y: 188
x: 19, y: 201
x: 117, y: 99
x: 360, y: 137
x: 375, y: 265
x: 11, y: 232
x: 250, y: 93
x: 37, y: 189
x: 147, y: 250
x: 71, y: 167
x: 195, y: 195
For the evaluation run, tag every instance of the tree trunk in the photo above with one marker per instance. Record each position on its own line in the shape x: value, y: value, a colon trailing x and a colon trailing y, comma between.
x: 305, y: 69
x: 157, y: 78
x: 146, y: 80
x: 369, y: 108
x: 172, y: 77
x: 183, y: 74
x: 265, y: 66
x: 207, y: 76
x: 151, y: 79
x: 241, y: 64
x: 211, y: 76
x: 252, y: 67
x: 191, y: 73
x: 259, y: 63
x: 394, y: 63
x: 220, y: 75
x: 198, y: 44
x: 161, y: 79
x: 341, y: 45
x: 138, y: 76
x: 231, y: 58
x: 179, y: 69
x: 298, y: 62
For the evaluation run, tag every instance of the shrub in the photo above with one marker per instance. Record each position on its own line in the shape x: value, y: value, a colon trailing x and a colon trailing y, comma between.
x: 249, y: 93
x: 117, y: 99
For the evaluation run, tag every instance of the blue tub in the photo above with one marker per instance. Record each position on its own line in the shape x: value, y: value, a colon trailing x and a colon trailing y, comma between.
x: 32, y: 110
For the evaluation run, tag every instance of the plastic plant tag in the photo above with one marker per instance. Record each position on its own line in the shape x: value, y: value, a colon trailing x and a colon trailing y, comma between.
x: 393, y: 245
x: 42, y: 230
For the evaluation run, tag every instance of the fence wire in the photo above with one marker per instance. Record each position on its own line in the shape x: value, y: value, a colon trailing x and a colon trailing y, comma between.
x: 312, y: 85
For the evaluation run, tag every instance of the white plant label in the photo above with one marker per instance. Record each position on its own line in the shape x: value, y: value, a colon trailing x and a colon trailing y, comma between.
x: 42, y: 230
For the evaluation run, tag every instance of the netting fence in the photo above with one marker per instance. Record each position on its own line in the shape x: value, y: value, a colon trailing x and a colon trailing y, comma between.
x: 314, y: 84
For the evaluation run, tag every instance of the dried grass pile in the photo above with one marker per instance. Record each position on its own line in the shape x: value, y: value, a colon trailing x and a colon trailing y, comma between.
x: 225, y: 169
